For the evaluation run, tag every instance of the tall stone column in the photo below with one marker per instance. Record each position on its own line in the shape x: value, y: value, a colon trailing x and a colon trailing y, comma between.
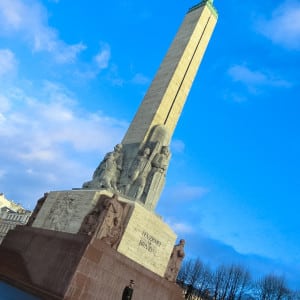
x: 141, y: 176
x: 163, y: 103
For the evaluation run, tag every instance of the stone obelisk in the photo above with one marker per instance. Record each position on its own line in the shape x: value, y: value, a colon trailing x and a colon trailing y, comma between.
x: 87, y: 243
x: 145, y: 148
x: 163, y: 103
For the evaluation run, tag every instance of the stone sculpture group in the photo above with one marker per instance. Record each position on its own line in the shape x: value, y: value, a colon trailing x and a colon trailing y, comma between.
x: 141, y: 178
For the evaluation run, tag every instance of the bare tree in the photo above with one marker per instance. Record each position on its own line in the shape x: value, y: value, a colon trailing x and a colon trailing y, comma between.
x: 195, y: 278
x: 245, y: 284
x: 192, y: 281
x: 272, y: 287
x: 239, y: 281
x: 218, y: 282
x: 230, y: 282
x: 294, y: 295
x: 204, y: 282
x: 184, y: 272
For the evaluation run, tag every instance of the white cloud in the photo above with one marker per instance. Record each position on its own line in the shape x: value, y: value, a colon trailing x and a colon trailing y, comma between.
x: 51, y: 143
x: 254, y: 79
x: 140, y: 79
x: 4, y: 104
x: 35, y: 154
x: 114, y: 76
x: 2, y: 118
x: 29, y: 19
x: 39, y: 130
x: 245, y: 75
x: 102, y: 60
x: 182, y: 228
x: 8, y: 62
x: 67, y: 53
x: 183, y: 191
x: 103, y: 57
x: 283, y: 27
x: 177, y: 146
x: 2, y: 173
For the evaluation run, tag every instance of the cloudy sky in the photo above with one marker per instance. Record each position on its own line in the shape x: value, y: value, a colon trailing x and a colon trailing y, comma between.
x: 73, y: 73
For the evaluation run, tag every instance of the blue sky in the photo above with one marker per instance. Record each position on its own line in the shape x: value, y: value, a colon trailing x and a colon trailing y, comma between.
x: 73, y: 73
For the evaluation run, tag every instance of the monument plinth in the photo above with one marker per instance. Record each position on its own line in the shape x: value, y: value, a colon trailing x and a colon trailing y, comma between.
x: 123, y: 224
x: 87, y: 243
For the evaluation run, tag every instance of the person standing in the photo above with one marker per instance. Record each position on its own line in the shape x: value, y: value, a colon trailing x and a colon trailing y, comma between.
x: 128, y: 291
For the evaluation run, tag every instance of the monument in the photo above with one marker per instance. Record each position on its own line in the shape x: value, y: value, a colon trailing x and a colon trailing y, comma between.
x: 87, y: 243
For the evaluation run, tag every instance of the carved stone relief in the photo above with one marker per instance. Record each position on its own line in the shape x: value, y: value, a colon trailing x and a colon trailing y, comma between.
x: 61, y: 213
x: 175, y: 261
x: 106, y: 220
x: 91, y: 220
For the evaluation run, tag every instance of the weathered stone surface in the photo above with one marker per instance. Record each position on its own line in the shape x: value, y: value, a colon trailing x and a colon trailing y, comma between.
x: 136, y: 172
x: 147, y: 240
x: 138, y: 234
x: 65, y: 210
x: 106, y: 278
x: 175, y: 261
x: 167, y: 94
x: 56, y: 265
x: 38, y: 259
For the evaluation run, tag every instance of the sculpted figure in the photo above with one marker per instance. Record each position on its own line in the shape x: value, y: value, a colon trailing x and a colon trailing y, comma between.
x: 139, y: 164
x: 108, y: 172
x: 156, y: 179
x: 113, y: 207
x: 113, y: 235
x: 161, y: 160
x: 113, y: 210
x: 118, y: 157
x: 175, y: 261
x: 118, y: 154
x: 109, y: 176
x: 90, y: 222
x: 109, y: 212
x: 138, y: 175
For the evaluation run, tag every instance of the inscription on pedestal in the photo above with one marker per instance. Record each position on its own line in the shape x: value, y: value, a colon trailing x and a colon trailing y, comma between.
x: 147, y: 240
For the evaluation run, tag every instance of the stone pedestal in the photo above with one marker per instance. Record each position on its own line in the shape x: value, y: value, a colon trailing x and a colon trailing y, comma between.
x: 88, y: 244
x: 40, y: 261
x: 145, y: 238
x: 57, y: 265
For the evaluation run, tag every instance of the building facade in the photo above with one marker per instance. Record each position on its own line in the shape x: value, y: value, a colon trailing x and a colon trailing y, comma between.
x: 11, y: 215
